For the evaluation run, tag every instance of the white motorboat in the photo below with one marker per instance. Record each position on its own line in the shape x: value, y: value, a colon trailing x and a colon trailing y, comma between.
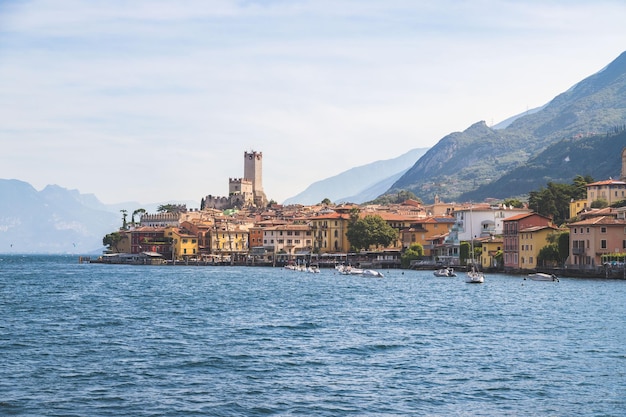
x: 444, y: 272
x: 540, y: 276
x: 350, y: 270
x: 372, y: 273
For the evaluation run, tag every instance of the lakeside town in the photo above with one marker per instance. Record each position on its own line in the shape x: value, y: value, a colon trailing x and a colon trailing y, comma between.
x: 243, y: 228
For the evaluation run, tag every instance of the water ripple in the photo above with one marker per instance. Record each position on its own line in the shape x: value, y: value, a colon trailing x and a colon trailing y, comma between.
x: 141, y: 341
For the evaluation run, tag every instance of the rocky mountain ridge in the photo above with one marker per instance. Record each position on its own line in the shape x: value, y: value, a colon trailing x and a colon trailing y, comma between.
x: 464, y: 161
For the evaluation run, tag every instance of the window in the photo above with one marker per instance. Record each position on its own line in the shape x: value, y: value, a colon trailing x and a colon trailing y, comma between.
x: 603, y: 229
x: 603, y: 244
x: 587, y: 230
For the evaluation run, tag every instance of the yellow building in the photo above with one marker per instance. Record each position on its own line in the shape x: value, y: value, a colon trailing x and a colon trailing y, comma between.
x: 184, y: 244
x: 531, y: 241
x: 424, y: 231
x: 490, y: 248
x: 576, y: 206
x: 329, y: 232
x: 609, y: 190
x: 229, y: 240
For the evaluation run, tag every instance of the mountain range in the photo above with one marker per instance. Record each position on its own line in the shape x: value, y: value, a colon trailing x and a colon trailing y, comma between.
x: 580, y: 132
x: 56, y: 220
x: 359, y: 184
x: 475, y: 163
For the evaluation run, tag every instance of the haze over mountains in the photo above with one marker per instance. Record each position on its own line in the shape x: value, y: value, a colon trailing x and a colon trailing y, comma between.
x: 566, y: 137
x: 464, y: 161
x: 359, y: 184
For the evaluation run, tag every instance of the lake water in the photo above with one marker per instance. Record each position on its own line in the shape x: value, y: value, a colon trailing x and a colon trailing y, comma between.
x: 108, y: 340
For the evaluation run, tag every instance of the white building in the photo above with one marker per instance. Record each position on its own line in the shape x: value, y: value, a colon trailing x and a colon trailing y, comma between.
x: 483, y: 220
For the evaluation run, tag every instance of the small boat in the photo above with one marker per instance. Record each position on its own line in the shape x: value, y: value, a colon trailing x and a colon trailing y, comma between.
x: 372, y: 273
x: 350, y: 270
x: 444, y: 272
x: 474, y: 276
x: 540, y: 276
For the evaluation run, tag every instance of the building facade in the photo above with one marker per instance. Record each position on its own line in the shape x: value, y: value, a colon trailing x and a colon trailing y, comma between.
x: 511, y: 237
x: 483, y: 220
x: 595, y: 237
x: 531, y: 241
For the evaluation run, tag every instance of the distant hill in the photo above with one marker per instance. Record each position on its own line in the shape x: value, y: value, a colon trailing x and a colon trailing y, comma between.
x: 358, y: 184
x: 56, y: 220
x: 598, y: 156
x: 461, y: 162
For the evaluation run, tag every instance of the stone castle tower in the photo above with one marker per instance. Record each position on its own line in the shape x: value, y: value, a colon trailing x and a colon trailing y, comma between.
x: 242, y: 192
x: 253, y: 172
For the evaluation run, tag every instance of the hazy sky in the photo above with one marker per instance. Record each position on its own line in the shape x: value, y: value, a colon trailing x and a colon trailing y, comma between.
x: 158, y: 100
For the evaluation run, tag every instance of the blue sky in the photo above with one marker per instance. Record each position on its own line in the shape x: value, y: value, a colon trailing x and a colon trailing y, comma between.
x: 155, y: 100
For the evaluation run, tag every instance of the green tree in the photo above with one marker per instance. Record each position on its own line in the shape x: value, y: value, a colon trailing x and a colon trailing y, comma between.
x: 552, y: 201
x: 169, y: 208
x: 136, y: 212
x: 557, y: 249
x: 124, y: 216
x: 599, y: 203
x: 549, y: 254
x: 415, y: 251
x: 513, y: 202
x: 395, y: 198
x: 326, y: 202
x: 112, y: 240
x: 370, y: 231
x: 579, y: 184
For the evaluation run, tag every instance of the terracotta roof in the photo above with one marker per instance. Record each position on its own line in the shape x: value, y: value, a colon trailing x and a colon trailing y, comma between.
x: 536, y: 228
x: 600, y: 220
x: 610, y: 181
x: 518, y: 217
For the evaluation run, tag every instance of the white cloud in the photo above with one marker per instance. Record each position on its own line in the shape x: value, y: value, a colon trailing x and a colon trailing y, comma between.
x: 152, y: 100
